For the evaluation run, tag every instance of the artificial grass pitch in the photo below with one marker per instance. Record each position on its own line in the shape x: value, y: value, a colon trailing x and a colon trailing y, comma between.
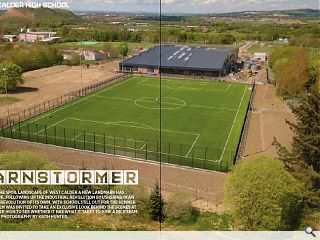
x: 201, y: 121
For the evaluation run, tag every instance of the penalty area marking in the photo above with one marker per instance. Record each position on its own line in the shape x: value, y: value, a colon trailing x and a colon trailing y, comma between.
x: 50, y: 126
x: 139, y: 125
x: 77, y: 101
x: 142, y: 82
x: 193, y: 145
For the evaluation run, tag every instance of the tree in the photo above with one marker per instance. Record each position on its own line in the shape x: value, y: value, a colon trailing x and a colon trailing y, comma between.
x: 107, y: 47
x: 178, y: 208
x: 75, y: 59
x: 290, y: 65
x: 312, y: 76
x: 303, y: 160
x: 11, y: 77
x: 156, y: 204
x: 1, y: 33
x: 124, y: 49
x: 263, y: 195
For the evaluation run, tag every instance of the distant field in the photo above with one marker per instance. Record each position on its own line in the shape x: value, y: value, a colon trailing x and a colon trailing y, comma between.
x: 99, y: 45
x: 132, y: 46
x: 268, y: 47
x: 201, y: 121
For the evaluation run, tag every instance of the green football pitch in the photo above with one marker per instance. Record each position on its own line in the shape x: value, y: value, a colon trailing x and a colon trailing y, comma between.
x: 201, y: 121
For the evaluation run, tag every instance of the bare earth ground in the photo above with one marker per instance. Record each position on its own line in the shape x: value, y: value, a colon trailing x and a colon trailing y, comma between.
x: 267, y: 120
x: 48, y: 83
x: 205, y: 188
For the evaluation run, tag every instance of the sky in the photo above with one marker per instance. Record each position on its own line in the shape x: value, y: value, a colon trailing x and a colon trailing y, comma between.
x: 183, y: 6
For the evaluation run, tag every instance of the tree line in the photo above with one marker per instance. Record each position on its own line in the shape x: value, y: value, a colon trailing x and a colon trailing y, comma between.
x: 294, y: 72
x: 31, y: 57
x: 69, y: 34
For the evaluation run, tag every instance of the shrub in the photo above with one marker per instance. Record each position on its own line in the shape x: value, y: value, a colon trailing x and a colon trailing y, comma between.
x: 178, y: 208
x: 263, y: 196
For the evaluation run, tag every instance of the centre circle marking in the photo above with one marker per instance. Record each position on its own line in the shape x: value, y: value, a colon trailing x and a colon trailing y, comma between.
x: 176, y: 103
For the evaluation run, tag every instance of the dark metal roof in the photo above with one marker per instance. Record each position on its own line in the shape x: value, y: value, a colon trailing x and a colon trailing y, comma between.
x: 184, y: 57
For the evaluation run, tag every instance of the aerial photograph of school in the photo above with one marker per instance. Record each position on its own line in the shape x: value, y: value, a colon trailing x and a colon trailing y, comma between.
x: 217, y: 105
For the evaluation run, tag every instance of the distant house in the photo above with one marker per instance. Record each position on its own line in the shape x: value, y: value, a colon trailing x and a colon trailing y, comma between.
x: 89, y: 55
x: 260, y: 56
x: 283, y: 40
x: 92, y: 55
x: 10, y: 38
x: 67, y: 54
x: 37, y: 36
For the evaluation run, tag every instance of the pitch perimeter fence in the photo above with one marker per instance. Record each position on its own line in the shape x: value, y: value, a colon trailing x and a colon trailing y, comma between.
x: 37, y: 109
x: 199, y: 157
x: 245, y: 126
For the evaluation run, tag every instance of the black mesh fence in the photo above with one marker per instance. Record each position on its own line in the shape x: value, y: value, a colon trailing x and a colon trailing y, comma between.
x: 37, y: 109
x: 171, y: 153
x: 244, y: 130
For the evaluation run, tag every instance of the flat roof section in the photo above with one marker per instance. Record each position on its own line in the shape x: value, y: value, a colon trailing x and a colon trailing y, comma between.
x: 185, y: 57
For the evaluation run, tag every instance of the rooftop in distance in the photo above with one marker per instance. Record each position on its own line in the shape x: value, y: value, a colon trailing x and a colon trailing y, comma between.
x: 186, y: 57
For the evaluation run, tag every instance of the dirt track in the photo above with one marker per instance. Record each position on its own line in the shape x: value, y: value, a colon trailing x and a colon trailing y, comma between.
x: 204, y: 187
x: 48, y: 83
x: 267, y: 120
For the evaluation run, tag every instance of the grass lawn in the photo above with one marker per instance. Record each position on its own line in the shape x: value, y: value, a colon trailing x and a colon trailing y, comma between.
x: 10, y: 100
x: 267, y: 48
x: 201, y: 121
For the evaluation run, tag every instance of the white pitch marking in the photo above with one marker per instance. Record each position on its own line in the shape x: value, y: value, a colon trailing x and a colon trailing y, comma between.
x: 74, y: 138
x: 116, y: 98
x: 234, y: 121
x: 193, y: 145
x: 149, y: 151
x: 187, y: 88
x: 143, y: 126
x: 192, y: 105
x: 78, y: 101
x: 53, y: 125
x: 218, y: 108
x: 143, y: 146
x: 146, y: 126
x: 109, y: 137
x: 181, y: 82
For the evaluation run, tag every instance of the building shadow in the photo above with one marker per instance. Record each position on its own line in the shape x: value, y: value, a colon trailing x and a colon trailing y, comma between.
x: 19, y: 90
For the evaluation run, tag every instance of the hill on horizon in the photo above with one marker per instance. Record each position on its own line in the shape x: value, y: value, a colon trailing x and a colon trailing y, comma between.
x: 307, y: 12
x: 37, y: 17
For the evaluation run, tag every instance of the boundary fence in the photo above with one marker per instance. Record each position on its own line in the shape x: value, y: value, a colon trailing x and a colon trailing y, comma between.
x: 37, y: 109
x: 199, y: 157
x: 245, y: 126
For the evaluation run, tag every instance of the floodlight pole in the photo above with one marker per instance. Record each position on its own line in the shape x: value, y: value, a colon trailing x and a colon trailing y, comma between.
x: 6, y: 90
x: 122, y: 61
x: 122, y: 58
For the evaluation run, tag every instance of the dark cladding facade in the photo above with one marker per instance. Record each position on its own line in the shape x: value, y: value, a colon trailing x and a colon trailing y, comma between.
x: 184, y: 60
